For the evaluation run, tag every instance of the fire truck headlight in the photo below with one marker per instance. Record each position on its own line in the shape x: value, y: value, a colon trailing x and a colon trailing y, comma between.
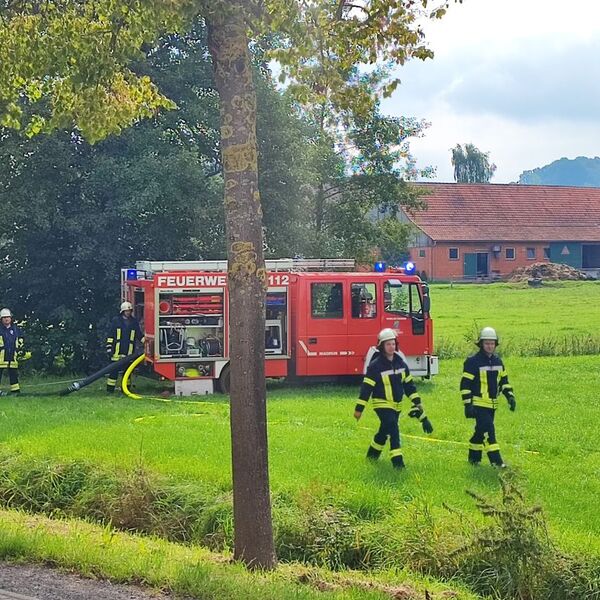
x: 409, y: 268
x: 380, y: 267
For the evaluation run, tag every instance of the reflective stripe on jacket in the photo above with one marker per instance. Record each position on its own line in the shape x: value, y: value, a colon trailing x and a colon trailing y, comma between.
x: 386, y: 383
x: 484, y: 378
x: 122, y: 337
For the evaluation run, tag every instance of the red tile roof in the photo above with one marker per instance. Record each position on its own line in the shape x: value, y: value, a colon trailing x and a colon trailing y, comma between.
x: 511, y: 212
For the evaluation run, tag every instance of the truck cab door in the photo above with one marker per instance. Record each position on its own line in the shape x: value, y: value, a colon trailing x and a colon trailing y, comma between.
x: 363, y: 324
x: 322, y: 344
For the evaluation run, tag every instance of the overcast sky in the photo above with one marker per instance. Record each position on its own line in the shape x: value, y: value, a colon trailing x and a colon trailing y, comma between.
x: 518, y: 78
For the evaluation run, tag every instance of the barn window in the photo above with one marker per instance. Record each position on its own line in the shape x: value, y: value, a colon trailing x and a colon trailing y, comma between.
x: 453, y: 253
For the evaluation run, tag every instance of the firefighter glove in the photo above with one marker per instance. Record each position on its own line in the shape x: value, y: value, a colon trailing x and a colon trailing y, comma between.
x: 512, y: 403
x: 427, y: 426
x: 469, y: 411
x: 416, y: 412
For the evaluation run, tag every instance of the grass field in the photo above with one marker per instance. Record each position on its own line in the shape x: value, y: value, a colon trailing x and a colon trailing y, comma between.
x: 559, y: 318
x: 317, y: 450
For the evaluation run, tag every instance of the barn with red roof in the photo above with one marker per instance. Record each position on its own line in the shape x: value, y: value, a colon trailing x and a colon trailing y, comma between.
x: 486, y: 231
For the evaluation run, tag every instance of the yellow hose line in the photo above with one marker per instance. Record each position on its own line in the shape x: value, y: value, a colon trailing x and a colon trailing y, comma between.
x: 455, y: 442
x: 130, y: 394
x: 127, y: 375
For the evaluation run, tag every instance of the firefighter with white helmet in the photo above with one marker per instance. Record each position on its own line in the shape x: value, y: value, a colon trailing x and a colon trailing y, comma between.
x: 387, y: 380
x: 484, y: 378
x: 123, y: 335
x: 11, y: 350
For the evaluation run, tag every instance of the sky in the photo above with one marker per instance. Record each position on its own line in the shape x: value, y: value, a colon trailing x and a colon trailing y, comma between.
x: 520, y: 79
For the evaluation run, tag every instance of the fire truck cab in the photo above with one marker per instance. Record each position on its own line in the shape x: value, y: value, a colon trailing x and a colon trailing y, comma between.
x: 322, y: 319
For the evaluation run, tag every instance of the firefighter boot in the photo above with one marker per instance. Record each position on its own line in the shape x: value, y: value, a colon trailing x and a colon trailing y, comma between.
x: 475, y: 452
x: 493, y: 452
x: 111, y: 385
x: 374, y: 451
x: 397, y: 460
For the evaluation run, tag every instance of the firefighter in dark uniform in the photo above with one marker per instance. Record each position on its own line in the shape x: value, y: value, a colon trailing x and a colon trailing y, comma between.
x: 11, y: 350
x: 484, y: 378
x: 387, y: 380
x: 123, y: 336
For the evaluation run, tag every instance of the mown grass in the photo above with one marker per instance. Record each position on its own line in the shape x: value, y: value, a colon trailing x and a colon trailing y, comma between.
x: 192, y: 571
x: 331, y: 507
x: 559, y: 319
x: 317, y: 450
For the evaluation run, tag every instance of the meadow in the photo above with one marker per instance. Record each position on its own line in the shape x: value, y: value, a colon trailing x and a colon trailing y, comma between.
x: 332, y: 508
x: 560, y: 318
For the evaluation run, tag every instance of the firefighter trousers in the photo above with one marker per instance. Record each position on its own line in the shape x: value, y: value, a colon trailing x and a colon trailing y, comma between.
x: 111, y: 381
x: 13, y: 378
x: 484, y: 437
x: 112, y: 378
x: 388, y: 428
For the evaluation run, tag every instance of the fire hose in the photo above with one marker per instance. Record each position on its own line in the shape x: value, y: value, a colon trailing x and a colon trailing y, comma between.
x: 114, y: 366
x: 127, y: 375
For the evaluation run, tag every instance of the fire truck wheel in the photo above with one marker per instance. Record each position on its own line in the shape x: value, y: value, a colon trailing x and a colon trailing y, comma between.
x: 225, y: 380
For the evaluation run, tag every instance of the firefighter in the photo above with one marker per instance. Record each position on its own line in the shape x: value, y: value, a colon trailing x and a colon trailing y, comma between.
x: 387, y: 380
x: 11, y: 350
x: 123, y: 335
x: 483, y: 378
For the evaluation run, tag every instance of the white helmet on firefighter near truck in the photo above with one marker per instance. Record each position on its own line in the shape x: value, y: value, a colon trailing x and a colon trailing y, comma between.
x: 488, y: 333
x: 126, y: 306
x: 5, y: 312
x: 385, y: 335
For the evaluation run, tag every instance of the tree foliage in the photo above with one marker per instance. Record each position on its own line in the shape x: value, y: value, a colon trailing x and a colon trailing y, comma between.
x: 471, y: 165
x: 72, y: 63
x: 77, y: 212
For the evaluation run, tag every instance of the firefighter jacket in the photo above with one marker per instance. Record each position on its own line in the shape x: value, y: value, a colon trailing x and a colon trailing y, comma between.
x: 483, y: 378
x: 11, y: 346
x: 122, y: 337
x: 385, y: 383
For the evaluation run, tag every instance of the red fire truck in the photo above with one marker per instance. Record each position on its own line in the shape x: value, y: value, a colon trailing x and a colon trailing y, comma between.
x: 322, y: 319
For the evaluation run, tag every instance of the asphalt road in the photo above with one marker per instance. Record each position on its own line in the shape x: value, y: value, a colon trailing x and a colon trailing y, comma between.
x: 29, y: 582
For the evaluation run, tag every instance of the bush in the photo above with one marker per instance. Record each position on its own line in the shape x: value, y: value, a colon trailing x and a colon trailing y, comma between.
x: 513, y: 557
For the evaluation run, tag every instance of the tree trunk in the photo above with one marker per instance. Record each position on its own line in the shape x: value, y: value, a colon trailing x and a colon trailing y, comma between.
x: 228, y: 44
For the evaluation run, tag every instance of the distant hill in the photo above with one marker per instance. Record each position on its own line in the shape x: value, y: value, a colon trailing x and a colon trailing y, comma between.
x: 581, y: 171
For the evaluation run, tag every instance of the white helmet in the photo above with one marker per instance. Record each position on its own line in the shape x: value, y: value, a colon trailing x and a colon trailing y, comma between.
x: 488, y: 333
x: 385, y: 335
x: 126, y: 306
x: 5, y: 312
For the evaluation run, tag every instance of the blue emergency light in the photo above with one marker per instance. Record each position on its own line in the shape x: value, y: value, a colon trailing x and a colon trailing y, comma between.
x: 380, y: 267
x: 131, y: 274
x: 409, y: 268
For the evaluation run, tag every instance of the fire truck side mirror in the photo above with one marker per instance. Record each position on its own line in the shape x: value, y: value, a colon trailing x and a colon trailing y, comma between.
x: 426, y: 300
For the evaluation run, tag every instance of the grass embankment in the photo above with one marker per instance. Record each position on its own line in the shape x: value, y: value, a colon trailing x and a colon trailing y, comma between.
x: 192, y: 571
